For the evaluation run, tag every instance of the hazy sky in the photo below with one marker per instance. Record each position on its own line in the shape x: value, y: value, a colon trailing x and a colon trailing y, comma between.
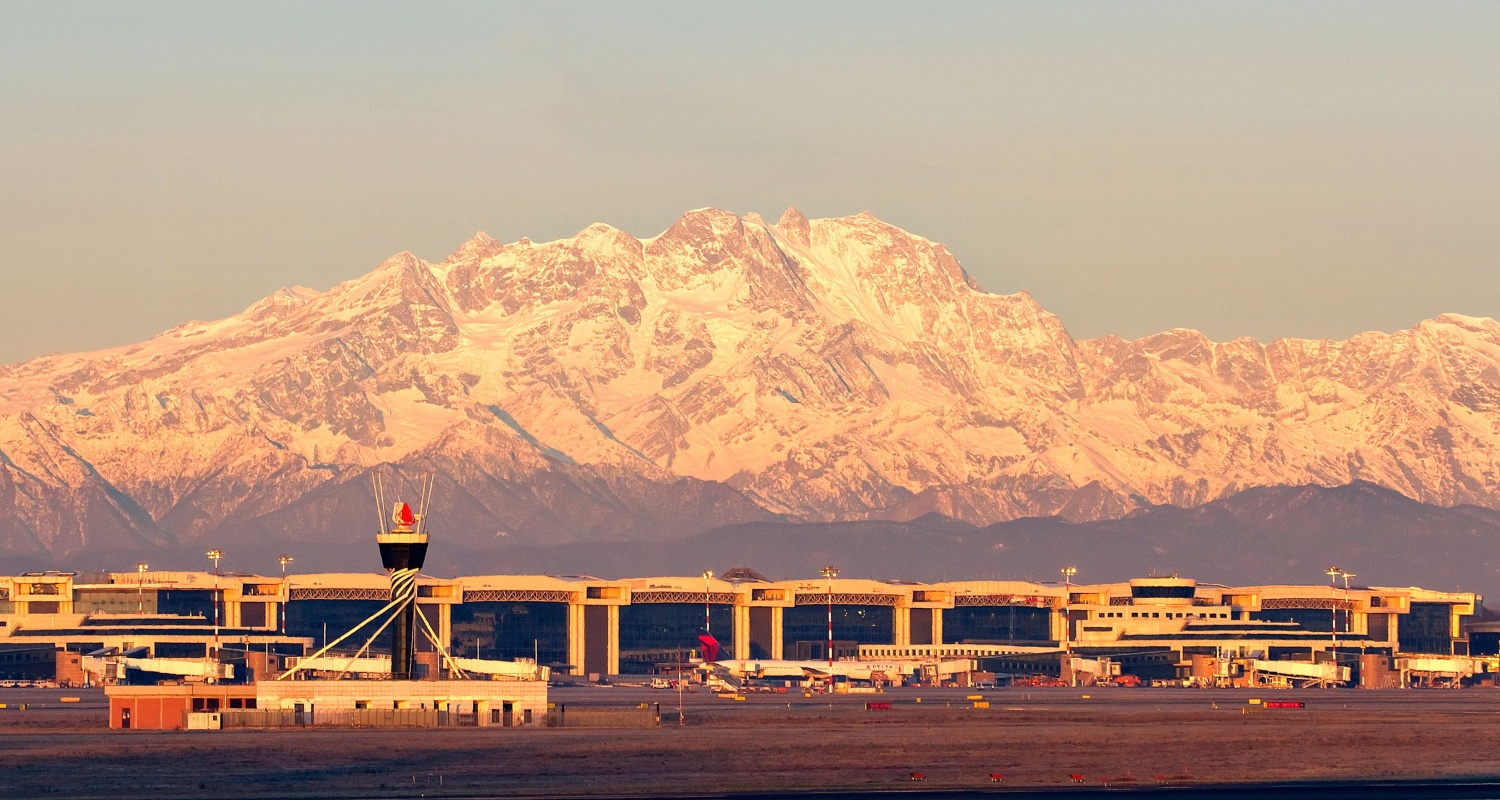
x: 1254, y: 169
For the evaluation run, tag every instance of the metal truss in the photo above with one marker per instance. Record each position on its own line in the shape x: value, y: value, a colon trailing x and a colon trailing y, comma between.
x: 846, y: 599
x: 519, y: 596
x: 718, y: 598
x: 1328, y: 603
x: 340, y: 593
x: 1028, y: 600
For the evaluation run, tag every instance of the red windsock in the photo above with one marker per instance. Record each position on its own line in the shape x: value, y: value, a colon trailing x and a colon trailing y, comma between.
x: 710, y: 647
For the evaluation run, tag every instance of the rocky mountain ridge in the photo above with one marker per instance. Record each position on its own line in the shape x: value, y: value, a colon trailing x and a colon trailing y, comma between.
x: 726, y: 371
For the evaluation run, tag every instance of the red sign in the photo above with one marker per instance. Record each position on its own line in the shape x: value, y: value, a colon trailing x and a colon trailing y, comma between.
x: 877, y: 706
x: 1285, y: 704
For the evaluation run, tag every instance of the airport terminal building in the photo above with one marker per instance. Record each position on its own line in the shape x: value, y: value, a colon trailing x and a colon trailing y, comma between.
x: 590, y: 626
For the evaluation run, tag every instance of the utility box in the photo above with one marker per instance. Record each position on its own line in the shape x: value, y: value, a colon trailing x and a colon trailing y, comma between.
x: 204, y: 721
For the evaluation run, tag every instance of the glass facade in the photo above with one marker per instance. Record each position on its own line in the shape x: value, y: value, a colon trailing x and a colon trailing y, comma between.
x: 1425, y: 629
x: 186, y: 602
x: 254, y: 615
x: 1158, y: 592
x: 307, y: 618
x: 1484, y: 643
x: 114, y: 600
x: 862, y: 624
x: 996, y: 624
x: 652, y: 632
x: 181, y: 649
x: 1311, y: 619
x: 511, y: 630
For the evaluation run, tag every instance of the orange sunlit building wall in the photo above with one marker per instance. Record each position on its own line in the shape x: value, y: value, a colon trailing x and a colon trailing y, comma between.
x: 165, y: 708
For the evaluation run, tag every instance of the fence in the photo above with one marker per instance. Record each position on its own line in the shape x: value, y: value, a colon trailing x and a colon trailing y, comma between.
x: 347, y: 718
x: 262, y: 718
x: 646, y: 715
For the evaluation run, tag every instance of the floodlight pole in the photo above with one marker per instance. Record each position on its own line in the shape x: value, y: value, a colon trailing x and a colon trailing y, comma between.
x: 708, y: 575
x: 830, y: 573
x: 284, y: 559
x: 140, y: 587
x: 216, y: 554
x: 1348, y: 607
x: 1333, y: 574
x: 1348, y: 614
x: 1068, y: 573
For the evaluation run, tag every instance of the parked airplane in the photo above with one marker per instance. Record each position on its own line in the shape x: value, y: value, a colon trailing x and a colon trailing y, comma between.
x: 744, y: 668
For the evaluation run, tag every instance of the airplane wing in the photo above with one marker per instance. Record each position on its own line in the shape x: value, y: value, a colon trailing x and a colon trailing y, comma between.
x: 816, y: 673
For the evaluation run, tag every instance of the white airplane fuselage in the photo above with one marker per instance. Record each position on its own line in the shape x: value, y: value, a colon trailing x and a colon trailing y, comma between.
x: 853, y: 670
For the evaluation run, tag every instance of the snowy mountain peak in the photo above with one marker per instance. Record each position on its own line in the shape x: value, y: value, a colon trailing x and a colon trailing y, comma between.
x: 478, y: 246
x: 795, y: 227
x: 280, y: 303
x: 724, y: 370
x: 1476, y: 324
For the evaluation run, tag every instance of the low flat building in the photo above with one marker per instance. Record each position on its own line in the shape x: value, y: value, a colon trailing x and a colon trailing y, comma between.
x: 347, y: 703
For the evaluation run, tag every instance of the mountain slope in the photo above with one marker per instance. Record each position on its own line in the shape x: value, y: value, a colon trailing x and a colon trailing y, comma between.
x: 1280, y: 534
x: 725, y: 371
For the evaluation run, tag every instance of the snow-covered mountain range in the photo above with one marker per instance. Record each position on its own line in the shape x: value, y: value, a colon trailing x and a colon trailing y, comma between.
x: 728, y: 370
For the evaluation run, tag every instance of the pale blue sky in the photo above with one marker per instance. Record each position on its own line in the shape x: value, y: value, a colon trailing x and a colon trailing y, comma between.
x: 1254, y: 169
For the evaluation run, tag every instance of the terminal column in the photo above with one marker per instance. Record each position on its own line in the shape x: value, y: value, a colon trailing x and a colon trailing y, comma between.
x: 901, y: 632
x: 778, y: 633
x: 613, y: 651
x: 741, y: 631
x: 1059, y: 618
x: 576, y: 651
x: 937, y: 626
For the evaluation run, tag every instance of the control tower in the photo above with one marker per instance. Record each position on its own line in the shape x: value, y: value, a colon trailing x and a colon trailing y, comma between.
x: 402, y: 550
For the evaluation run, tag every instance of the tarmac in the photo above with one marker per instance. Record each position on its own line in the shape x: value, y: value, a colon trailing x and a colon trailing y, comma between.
x: 1066, y: 743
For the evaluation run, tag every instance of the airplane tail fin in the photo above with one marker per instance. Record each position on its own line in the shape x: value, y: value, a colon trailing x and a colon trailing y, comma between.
x: 711, y: 647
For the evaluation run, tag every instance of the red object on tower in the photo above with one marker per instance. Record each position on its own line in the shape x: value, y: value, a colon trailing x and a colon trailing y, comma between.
x: 403, y: 515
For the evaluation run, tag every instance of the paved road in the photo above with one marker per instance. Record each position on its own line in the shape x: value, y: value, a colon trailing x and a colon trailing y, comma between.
x: 52, y: 698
